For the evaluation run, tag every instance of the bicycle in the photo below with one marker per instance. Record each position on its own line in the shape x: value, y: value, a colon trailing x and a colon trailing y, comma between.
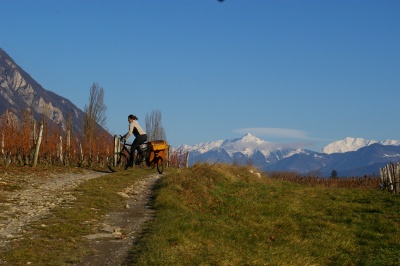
x: 152, y: 154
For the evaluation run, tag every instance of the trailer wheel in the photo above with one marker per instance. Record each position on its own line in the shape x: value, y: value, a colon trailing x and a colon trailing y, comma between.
x: 160, y: 165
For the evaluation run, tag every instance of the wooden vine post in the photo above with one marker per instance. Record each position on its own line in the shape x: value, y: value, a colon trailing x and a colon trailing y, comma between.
x: 68, y: 147
x: 60, y: 150
x: 33, y: 134
x: 390, y: 177
x: 396, y: 178
x: 117, y: 147
x: 187, y: 159
x: 39, y: 140
x: 2, y: 143
x: 81, y: 151
x: 389, y: 173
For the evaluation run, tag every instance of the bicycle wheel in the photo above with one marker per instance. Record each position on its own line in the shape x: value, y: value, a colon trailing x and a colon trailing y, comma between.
x: 117, y: 161
x: 160, y: 165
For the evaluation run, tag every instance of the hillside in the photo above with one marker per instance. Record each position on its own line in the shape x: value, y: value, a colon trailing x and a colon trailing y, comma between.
x: 205, y: 214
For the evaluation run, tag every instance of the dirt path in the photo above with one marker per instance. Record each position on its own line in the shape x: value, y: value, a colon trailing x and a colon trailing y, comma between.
x: 118, y: 233
x: 115, y: 235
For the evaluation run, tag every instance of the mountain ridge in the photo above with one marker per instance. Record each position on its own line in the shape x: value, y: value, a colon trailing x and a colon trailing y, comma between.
x: 354, y: 153
x: 353, y: 144
x: 19, y: 92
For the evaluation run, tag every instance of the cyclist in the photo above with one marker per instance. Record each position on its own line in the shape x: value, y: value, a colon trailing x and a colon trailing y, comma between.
x: 140, y: 137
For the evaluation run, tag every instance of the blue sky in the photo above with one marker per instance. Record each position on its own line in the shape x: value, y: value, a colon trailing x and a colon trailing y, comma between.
x: 302, y: 72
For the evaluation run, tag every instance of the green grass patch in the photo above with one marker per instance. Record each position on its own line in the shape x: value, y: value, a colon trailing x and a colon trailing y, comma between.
x: 225, y: 215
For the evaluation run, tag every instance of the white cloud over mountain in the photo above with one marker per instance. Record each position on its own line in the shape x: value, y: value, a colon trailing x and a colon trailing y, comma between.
x: 274, y: 132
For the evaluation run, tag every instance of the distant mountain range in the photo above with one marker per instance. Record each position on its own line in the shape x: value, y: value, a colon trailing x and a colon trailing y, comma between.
x: 19, y: 91
x: 349, y: 157
x: 353, y: 144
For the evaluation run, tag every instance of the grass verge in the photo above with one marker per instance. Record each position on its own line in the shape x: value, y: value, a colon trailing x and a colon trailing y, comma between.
x: 225, y: 215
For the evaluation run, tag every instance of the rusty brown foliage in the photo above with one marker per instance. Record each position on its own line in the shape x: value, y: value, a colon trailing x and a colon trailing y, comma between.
x: 9, y: 129
x: 368, y: 182
x: 18, y: 138
x: 177, y: 159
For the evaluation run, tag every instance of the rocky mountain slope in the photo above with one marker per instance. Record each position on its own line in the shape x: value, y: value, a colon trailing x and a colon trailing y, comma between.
x: 20, y: 92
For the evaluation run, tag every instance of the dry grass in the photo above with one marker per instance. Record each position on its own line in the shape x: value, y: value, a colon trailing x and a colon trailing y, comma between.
x: 368, y: 182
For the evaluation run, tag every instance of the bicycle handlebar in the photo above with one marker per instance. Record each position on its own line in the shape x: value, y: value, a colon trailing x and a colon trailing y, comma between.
x: 124, y: 141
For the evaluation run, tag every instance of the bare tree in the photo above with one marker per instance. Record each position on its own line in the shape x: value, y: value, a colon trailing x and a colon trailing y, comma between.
x: 154, y: 128
x: 95, y: 113
x: 96, y: 110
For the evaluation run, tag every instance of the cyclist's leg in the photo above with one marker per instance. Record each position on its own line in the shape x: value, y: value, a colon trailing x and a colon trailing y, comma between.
x: 135, y: 146
x: 139, y: 140
x: 132, y: 152
x: 131, y: 155
x: 143, y: 139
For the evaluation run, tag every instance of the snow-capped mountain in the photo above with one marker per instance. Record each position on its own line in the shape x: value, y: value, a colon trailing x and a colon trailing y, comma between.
x: 365, y: 161
x: 243, y: 150
x: 351, y: 156
x: 249, y: 146
x: 353, y: 144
